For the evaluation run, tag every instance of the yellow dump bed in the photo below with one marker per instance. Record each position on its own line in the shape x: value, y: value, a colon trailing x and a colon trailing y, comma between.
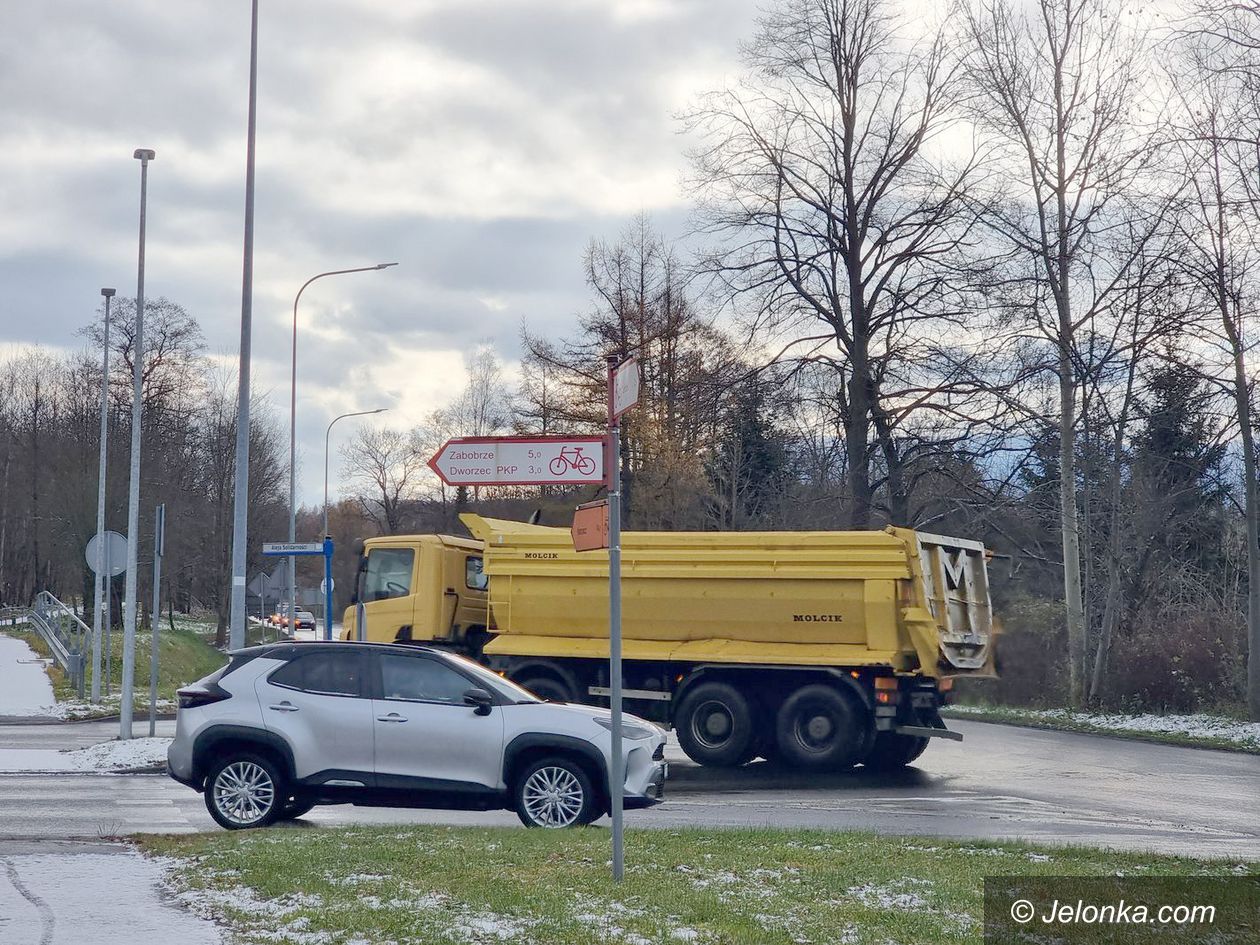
x: 896, y: 597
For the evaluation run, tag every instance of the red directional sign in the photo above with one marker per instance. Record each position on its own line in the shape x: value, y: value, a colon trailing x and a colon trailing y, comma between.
x: 520, y: 460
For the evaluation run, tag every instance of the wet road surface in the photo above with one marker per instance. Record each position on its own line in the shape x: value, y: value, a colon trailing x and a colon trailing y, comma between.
x: 1002, y: 782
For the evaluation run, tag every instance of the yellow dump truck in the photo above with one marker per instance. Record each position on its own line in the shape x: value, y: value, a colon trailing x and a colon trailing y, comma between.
x: 820, y: 650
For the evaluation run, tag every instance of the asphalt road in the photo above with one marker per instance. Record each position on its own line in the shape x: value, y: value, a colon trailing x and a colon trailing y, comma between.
x: 1002, y: 782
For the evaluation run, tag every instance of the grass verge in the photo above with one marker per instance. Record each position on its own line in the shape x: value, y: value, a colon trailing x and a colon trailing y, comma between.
x: 1199, y: 731
x: 423, y: 884
x: 183, y: 657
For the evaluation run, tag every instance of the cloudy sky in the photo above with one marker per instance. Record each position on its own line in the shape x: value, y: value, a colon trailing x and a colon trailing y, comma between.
x: 478, y: 143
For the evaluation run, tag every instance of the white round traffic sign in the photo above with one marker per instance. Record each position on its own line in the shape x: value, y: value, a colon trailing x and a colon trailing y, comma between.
x: 323, y: 586
x: 115, y: 559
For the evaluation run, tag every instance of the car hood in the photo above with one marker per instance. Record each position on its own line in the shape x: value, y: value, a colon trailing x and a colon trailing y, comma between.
x: 595, y: 712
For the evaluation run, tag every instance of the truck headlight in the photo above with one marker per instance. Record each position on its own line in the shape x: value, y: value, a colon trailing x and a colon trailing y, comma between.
x: 628, y: 729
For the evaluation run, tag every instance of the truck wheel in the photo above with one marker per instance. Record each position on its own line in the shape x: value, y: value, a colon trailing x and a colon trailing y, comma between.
x: 820, y: 728
x: 715, y: 725
x: 545, y: 687
x: 892, y: 751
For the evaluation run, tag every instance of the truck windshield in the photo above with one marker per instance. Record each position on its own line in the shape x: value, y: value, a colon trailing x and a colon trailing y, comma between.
x: 494, y: 682
x: 388, y: 573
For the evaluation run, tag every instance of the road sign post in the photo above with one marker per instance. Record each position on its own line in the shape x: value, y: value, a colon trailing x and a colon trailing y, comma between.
x: 106, y: 555
x: 300, y: 549
x: 328, y: 587
x: 623, y: 393
x: 159, y: 548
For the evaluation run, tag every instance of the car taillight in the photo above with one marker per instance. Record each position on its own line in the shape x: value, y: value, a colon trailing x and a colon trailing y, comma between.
x: 196, y: 696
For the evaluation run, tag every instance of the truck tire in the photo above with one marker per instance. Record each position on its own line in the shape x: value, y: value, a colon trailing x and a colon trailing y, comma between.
x: 892, y: 751
x: 820, y: 728
x: 547, y: 688
x: 715, y: 726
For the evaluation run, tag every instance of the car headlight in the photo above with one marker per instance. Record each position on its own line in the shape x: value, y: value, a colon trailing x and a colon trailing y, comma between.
x: 628, y: 729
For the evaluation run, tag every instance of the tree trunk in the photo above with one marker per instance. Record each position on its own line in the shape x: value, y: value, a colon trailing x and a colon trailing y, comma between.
x: 1112, y: 604
x: 1072, y: 601
x: 857, y: 438
x: 1242, y: 398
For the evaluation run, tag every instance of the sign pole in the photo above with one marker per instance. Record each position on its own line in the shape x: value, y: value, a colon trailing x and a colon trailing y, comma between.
x: 159, y: 541
x: 107, y: 618
x: 328, y: 586
x: 614, y: 624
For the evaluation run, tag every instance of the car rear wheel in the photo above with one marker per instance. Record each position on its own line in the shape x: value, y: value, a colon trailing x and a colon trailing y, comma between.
x: 715, y: 725
x: 820, y: 728
x: 244, y: 790
x: 555, y: 792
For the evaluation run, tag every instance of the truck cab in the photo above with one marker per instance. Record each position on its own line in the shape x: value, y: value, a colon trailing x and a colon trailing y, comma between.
x: 421, y: 588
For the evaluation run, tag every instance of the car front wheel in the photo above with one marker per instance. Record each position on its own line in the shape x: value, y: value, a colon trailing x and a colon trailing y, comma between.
x: 245, y: 790
x: 555, y: 792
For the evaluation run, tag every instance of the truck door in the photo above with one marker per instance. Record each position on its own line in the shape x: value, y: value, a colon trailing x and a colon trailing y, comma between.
x: 389, y: 593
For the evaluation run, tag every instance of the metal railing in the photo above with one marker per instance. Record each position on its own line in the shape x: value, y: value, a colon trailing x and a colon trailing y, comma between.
x: 68, y: 638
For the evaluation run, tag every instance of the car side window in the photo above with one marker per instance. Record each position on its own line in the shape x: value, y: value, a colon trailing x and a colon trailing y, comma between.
x: 332, y: 674
x: 388, y: 573
x: 474, y: 576
x: 418, y: 678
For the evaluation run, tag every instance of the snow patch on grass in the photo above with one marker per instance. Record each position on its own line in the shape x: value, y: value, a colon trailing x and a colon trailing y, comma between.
x: 901, y: 895
x: 106, y: 756
x: 1198, y: 726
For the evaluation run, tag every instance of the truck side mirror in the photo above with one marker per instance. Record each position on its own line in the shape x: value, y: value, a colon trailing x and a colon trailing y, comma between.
x: 480, y: 700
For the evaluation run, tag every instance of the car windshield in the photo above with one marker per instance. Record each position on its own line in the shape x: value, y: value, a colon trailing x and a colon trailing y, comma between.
x: 493, y: 681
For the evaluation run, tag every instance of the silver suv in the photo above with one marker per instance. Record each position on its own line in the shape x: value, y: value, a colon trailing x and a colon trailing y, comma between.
x: 285, y: 727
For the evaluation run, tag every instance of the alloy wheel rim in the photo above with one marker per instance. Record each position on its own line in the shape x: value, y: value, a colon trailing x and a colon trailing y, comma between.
x: 244, y: 792
x: 553, y: 797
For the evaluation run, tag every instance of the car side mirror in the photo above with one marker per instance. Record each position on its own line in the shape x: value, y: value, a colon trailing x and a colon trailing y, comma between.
x: 480, y: 700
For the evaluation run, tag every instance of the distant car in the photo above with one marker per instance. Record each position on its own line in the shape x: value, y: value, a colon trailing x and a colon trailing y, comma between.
x: 305, y: 620
x: 287, y: 726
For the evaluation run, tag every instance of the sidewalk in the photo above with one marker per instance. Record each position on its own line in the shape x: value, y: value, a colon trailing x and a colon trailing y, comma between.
x: 26, y: 690
x: 55, y: 893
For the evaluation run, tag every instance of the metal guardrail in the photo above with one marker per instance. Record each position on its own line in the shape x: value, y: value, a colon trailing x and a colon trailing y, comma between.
x: 67, y: 636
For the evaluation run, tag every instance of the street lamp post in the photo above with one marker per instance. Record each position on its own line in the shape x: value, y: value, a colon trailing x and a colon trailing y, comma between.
x: 144, y: 156
x: 293, y: 431
x: 328, y: 591
x: 100, y: 509
x: 240, y: 498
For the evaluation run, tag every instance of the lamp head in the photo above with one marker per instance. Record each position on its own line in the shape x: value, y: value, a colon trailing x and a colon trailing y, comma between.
x: 144, y: 154
x: 385, y: 265
x: 108, y: 292
x: 380, y: 410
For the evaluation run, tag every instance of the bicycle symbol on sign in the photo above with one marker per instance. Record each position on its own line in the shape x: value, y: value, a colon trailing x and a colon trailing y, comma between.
x: 571, y: 458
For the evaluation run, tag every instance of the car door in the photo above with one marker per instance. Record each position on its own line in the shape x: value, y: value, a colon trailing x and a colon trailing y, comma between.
x: 319, y: 703
x: 426, y: 736
x: 388, y: 592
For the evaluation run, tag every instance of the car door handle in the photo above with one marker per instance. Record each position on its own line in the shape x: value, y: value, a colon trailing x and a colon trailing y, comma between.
x: 392, y: 717
x: 283, y: 707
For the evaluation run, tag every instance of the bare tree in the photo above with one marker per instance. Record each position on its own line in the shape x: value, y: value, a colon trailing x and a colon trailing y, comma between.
x: 1218, y: 86
x: 385, y: 465
x: 840, y: 222
x: 1056, y: 87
